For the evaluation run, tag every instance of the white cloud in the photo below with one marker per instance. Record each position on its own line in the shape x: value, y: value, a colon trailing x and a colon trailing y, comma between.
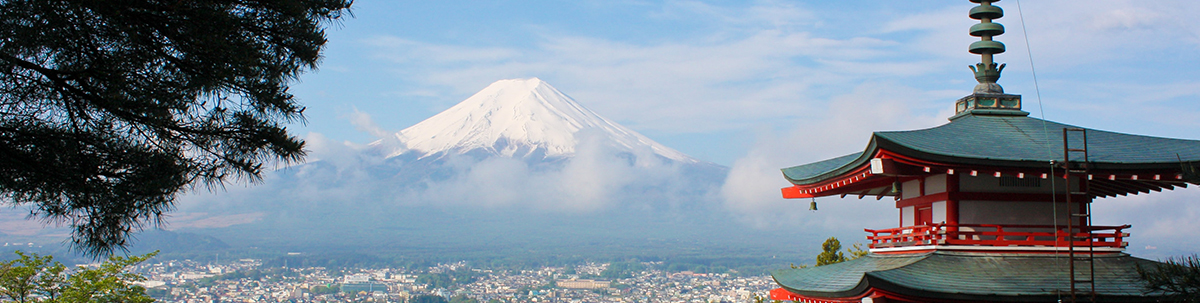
x: 363, y: 122
x: 1165, y: 221
x: 345, y: 180
x: 595, y: 179
x: 752, y: 189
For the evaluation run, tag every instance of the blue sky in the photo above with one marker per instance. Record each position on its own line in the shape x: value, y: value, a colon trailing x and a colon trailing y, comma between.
x: 712, y: 78
x: 760, y: 85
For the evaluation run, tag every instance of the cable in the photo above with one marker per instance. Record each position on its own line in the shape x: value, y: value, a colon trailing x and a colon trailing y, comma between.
x: 1045, y: 136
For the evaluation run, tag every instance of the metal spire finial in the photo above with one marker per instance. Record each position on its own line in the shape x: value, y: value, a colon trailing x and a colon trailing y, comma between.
x: 987, y: 72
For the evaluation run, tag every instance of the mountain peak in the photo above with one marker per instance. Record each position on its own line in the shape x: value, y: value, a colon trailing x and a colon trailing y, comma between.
x: 521, y: 118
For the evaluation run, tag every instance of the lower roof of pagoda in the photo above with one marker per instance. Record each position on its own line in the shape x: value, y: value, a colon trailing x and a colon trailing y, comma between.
x: 965, y: 276
x: 1008, y: 145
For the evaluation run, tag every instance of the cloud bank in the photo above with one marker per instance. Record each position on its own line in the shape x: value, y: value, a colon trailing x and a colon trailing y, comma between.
x: 344, y: 179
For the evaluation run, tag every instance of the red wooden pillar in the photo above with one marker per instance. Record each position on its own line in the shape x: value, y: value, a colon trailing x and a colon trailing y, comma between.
x: 952, y: 206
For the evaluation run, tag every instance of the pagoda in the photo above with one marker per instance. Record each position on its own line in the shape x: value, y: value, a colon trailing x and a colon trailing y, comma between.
x: 993, y: 206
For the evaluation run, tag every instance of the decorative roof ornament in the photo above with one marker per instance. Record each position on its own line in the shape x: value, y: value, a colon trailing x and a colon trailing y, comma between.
x: 987, y: 72
x: 988, y: 98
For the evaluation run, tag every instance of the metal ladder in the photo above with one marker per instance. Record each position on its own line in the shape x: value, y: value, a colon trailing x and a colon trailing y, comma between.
x: 1084, y: 215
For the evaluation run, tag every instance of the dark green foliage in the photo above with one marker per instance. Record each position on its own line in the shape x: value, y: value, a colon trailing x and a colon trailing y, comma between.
x: 830, y: 252
x: 109, y: 109
x: 1177, y: 277
x: 678, y: 267
x: 428, y: 299
x: 857, y: 251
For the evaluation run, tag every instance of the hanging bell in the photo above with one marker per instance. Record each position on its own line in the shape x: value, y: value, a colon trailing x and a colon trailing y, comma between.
x: 896, y: 187
x: 812, y: 205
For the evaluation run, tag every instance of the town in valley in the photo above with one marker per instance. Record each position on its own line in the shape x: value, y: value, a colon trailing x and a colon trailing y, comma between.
x: 248, y: 280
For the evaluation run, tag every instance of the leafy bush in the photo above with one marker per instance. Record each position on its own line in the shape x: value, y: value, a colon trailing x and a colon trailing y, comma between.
x: 34, y: 278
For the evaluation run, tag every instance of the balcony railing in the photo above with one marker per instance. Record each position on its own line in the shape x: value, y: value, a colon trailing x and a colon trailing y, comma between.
x: 998, y: 235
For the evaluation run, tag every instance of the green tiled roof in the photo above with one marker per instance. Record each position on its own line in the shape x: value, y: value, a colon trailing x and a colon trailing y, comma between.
x: 840, y: 279
x: 1008, y: 141
x: 824, y: 167
x: 967, y: 276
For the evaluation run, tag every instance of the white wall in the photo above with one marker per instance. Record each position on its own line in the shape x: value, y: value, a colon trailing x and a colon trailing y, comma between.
x: 939, y: 212
x: 912, y: 189
x: 908, y: 215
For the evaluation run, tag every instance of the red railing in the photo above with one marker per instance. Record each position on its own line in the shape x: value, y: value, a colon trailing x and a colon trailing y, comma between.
x: 997, y: 235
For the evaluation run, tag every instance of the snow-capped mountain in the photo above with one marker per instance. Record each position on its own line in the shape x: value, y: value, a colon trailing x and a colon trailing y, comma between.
x: 518, y: 162
x: 520, y: 118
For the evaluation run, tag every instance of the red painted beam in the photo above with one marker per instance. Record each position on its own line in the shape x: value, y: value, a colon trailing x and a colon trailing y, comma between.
x: 793, y: 192
x: 922, y: 200
x: 975, y: 196
x: 780, y: 294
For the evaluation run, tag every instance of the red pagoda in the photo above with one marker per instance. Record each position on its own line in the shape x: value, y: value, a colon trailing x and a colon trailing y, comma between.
x: 993, y: 206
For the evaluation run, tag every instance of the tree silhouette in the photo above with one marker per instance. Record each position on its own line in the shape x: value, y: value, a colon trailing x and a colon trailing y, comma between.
x: 109, y: 109
x: 1178, y: 277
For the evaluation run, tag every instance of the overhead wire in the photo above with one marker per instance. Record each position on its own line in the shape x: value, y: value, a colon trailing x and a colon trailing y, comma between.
x: 1045, y: 134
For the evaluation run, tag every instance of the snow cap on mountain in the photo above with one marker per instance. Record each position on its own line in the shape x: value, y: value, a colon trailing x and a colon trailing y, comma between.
x: 521, y: 118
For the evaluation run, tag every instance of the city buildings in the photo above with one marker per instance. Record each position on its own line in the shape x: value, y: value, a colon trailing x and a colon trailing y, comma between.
x: 251, y: 282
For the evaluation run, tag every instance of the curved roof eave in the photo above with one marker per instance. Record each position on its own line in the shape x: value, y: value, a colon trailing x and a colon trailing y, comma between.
x: 1007, y: 141
x: 856, y: 290
x: 825, y: 169
x: 956, y: 276
x: 840, y: 280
